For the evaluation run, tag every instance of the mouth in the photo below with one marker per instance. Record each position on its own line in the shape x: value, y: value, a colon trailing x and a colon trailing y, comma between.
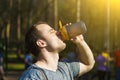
x: 59, y: 36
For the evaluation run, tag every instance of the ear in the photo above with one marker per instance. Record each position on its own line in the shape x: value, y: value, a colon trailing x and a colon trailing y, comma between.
x: 41, y: 43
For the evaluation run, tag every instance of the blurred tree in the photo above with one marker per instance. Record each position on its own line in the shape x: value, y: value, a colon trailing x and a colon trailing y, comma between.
x: 17, y: 15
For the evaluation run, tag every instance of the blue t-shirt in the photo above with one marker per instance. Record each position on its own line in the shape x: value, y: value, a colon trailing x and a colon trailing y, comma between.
x: 65, y: 71
x: 1, y: 57
x: 28, y: 59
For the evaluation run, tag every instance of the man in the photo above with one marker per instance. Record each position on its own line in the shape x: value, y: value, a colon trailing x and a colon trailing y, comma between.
x: 28, y: 59
x: 108, y: 59
x: 43, y: 42
x: 101, y: 66
x: 1, y: 65
x: 117, y: 63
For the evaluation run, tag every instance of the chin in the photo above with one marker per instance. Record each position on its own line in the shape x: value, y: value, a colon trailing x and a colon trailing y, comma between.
x: 62, y: 47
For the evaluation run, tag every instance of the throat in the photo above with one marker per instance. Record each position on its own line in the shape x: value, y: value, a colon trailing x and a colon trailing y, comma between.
x: 48, y: 63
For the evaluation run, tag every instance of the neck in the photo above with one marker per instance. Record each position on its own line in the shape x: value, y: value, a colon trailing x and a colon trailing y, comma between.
x: 48, y: 61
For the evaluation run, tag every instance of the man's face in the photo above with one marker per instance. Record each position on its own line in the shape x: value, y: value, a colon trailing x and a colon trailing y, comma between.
x: 54, y: 43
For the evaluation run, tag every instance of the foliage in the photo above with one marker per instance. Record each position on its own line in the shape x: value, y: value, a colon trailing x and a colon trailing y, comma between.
x: 20, y: 14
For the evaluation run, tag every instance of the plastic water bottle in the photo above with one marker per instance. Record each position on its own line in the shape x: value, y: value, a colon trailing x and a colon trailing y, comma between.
x: 70, y: 31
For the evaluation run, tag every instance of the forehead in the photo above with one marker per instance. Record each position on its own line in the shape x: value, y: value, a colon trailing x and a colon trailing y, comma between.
x: 43, y: 27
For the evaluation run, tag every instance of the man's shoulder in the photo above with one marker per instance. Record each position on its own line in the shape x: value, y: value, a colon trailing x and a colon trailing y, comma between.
x: 68, y: 64
x: 63, y: 64
x: 72, y: 68
x: 32, y: 72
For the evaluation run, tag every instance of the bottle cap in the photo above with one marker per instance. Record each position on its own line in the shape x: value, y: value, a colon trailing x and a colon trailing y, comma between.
x: 63, y: 31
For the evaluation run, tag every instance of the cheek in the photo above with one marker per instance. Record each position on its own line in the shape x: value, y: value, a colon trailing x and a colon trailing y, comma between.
x: 52, y: 42
x: 52, y: 45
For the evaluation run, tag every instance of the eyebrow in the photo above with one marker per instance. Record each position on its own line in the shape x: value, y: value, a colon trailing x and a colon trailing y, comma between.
x: 51, y: 29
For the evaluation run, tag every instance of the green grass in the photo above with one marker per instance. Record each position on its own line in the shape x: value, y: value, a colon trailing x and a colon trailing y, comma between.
x: 13, y: 55
x: 13, y: 66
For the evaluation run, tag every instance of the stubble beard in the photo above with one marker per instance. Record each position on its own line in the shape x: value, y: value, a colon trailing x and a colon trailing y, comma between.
x: 62, y: 47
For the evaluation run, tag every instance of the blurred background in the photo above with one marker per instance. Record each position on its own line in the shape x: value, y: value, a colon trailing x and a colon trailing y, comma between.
x: 101, y: 17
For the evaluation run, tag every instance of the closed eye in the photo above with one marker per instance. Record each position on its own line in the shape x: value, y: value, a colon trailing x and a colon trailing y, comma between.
x: 52, y: 30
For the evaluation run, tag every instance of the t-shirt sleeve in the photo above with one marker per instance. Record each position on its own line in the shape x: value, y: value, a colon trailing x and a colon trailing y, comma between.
x: 74, y: 68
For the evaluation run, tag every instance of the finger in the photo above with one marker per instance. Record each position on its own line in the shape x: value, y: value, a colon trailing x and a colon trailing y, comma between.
x: 68, y: 24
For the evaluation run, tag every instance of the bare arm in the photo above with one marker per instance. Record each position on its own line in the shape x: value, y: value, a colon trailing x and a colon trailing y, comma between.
x: 85, y: 55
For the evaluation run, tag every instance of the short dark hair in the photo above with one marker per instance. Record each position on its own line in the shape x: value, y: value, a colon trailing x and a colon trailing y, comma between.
x: 31, y: 37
